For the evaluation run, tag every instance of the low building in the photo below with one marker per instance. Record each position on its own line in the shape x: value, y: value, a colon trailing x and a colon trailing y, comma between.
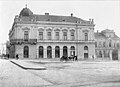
x: 107, y: 45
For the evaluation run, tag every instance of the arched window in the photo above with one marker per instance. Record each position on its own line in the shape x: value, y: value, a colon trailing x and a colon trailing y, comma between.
x: 65, y: 51
x: 26, y: 51
x: 41, y: 51
x: 57, y: 52
x: 72, y: 51
x: 49, y: 52
x: 86, y: 48
x: 100, y: 54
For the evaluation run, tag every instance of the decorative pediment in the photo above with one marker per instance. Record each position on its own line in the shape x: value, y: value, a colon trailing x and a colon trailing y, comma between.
x: 57, y: 30
x: 64, y: 30
x: 85, y: 30
x: 40, y: 29
x: 26, y: 28
x: 72, y: 30
x: 49, y: 29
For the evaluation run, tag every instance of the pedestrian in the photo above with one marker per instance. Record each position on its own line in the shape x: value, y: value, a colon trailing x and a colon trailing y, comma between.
x: 76, y: 59
x: 17, y: 57
x: 8, y: 56
x: 93, y: 57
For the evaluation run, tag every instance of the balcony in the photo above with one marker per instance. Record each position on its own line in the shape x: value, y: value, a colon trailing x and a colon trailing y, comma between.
x: 69, y: 41
x: 22, y: 41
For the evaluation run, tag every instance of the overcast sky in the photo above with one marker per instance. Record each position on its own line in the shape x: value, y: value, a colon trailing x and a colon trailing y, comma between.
x: 106, y: 14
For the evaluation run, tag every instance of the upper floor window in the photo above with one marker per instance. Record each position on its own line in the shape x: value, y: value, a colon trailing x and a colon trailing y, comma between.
x: 57, y: 35
x: 65, y: 35
x: 86, y: 36
x: 72, y: 36
x: 95, y: 44
x: 41, y: 35
x: 100, y: 43
x: 26, y: 36
x: 109, y: 44
x: 118, y: 45
x: 49, y: 35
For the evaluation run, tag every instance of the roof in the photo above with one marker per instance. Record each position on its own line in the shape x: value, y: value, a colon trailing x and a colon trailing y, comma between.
x: 27, y: 15
x: 100, y: 35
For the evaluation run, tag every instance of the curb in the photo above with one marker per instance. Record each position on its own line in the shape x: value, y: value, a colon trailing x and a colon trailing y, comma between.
x: 23, y: 67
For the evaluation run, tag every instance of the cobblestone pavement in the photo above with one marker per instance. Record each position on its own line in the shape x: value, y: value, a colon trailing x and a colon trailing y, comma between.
x: 61, y: 74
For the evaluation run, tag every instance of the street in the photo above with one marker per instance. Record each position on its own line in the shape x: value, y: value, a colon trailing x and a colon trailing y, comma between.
x: 61, y: 74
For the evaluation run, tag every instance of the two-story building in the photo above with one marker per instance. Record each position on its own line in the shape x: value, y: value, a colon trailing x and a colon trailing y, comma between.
x: 107, y: 45
x: 51, y: 36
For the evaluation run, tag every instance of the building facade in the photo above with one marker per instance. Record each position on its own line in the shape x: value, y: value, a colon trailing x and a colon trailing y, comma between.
x: 107, y: 45
x: 51, y: 36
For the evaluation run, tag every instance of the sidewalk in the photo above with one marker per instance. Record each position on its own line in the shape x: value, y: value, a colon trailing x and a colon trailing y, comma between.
x: 26, y: 65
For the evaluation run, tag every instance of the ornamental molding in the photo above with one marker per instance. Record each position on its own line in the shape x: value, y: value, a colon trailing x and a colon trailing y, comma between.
x: 26, y: 28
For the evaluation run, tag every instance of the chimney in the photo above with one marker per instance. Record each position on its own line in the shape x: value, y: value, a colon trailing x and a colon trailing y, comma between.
x: 89, y: 19
x: 71, y: 14
x: 46, y: 13
x: 92, y: 21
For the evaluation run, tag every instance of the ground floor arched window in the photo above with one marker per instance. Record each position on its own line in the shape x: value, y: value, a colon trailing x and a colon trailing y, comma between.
x: 57, y: 52
x: 72, y: 51
x: 41, y: 51
x: 100, y: 54
x: 49, y: 52
x: 65, y: 53
x: 26, y: 52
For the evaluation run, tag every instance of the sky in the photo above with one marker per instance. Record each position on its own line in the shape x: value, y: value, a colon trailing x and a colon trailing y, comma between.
x: 106, y: 14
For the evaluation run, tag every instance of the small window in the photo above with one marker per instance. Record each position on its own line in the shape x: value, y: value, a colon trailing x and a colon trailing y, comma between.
x: 86, y: 36
x: 57, y: 35
x: 72, y: 36
x: 86, y: 48
x: 41, y: 35
x: 49, y: 35
x: 65, y: 35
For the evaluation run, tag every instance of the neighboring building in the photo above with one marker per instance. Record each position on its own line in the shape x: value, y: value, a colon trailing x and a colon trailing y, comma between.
x: 107, y: 45
x: 51, y: 36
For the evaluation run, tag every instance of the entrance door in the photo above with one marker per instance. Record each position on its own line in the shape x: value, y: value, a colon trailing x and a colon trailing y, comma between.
x: 41, y: 52
x: 49, y: 52
x: 65, y: 53
x: 86, y: 55
x: 57, y: 52
x: 26, y: 52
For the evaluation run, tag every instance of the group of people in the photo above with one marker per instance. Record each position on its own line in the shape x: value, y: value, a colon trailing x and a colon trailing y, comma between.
x: 17, y: 56
x: 66, y: 58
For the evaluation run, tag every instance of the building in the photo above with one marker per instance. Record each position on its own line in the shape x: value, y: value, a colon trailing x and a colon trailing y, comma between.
x: 52, y: 36
x: 107, y: 45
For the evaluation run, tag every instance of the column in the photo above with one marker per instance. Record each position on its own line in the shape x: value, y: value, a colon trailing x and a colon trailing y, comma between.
x: 45, y: 52
x: 53, y: 52
x: 37, y: 52
x: 61, y: 51
x: 102, y: 54
x: 110, y: 54
x: 68, y: 51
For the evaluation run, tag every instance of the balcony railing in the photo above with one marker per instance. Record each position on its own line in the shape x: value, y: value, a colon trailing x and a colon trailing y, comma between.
x: 76, y: 41
x: 23, y: 41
